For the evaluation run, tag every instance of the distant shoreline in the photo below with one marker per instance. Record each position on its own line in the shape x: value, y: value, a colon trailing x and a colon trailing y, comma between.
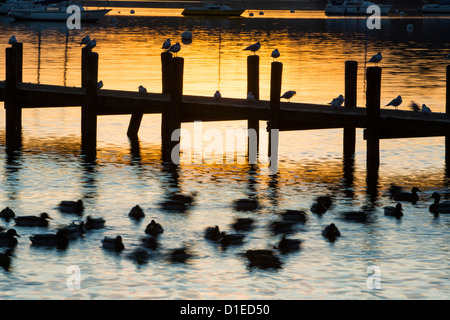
x: 249, y: 4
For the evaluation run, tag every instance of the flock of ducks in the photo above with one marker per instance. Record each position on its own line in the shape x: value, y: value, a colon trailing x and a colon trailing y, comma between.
x: 261, y: 258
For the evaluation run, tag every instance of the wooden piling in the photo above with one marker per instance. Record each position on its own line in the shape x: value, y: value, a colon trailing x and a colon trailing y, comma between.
x: 89, y: 108
x: 18, y: 46
x: 253, y: 87
x: 274, y: 122
x: 373, y: 101
x: 351, y: 76
x: 13, y: 111
x: 84, y: 65
x: 171, y: 135
x: 166, y: 72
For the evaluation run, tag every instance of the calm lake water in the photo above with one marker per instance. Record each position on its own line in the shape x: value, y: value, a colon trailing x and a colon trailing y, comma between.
x: 411, y: 253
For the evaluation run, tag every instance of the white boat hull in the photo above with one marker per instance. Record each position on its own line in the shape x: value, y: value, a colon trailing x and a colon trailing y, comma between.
x: 36, y: 15
x: 436, y: 8
x: 347, y: 10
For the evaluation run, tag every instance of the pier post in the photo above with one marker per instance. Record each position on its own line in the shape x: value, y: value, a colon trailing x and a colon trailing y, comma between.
x: 166, y: 72
x: 351, y: 76
x: 274, y: 122
x: 84, y: 65
x: 373, y: 102
x: 89, y: 108
x: 13, y: 111
x: 253, y: 87
x: 171, y: 134
x: 447, y: 111
x: 19, y: 60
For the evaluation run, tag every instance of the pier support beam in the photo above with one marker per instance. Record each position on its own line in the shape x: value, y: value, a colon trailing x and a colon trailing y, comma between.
x: 13, y: 111
x: 351, y: 76
x: 171, y: 134
x: 89, y: 108
x: 373, y: 102
x: 274, y: 122
x: 253, y: 87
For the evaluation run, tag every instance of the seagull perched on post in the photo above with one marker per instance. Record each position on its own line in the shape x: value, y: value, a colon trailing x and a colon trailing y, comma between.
x: 250, y: 97
x: 100, y: 84
x: 217, y: 95
x: 414, y: 106
x: 91, y: 44
x: 142, y: 90
x: 337, y: 102
x: 85, y: 40
x: 12, y: 40
x: 166, y: 44
x: 275, y: 54
x: 288, y: 95
x: 175, y: 48
x: 254, y: 47
x: 395, y: 102
x: 447, y: 57
x: 425, y: 110
x: 376, y: 58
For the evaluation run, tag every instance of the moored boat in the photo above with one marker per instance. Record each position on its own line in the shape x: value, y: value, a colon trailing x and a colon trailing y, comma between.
x: 55, y: 11
x: 6, y: 6
x: 212, y: 10
x: 441, y: 7
x: 354, y: 8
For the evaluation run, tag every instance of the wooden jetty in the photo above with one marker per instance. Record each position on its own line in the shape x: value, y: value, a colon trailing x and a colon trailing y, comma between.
x: 177, y: 108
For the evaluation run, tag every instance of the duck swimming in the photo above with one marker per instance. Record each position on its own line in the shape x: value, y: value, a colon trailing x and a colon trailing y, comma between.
x: 94, y: 223
x: 321, y: 205
x: 33, y: 221
x: 294, y: 215
x: 75, y: 231
x: 115, y: 244
x: 232, y: 239
x: 213, y: 233
x: 149, y: 242
x: 5, y: 260
x: 331, y: 232
x: 69, y: 206
x: 412, y: 196
x: 243, y: 224
x: 396, y: 211
x: 136, y: 213
x: 179, y: 255
x: 154, y: 228
x: 288, y: 245
x: 7, y: 214
x: 263, y: 258
x: 7, y: 239
x: 245, y: 204
x: 437, y: 206
x: 60, y: 239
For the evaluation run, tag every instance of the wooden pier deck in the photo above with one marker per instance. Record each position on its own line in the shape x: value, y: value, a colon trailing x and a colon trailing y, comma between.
x: 177, y: 108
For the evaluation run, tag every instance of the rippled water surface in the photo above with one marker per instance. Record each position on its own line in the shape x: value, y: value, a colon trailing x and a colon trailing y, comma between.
x: 411, y: 253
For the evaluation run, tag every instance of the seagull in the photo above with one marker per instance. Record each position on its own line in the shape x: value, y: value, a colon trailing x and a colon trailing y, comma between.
x: 142, y: 90
x: 12, y: 40
x: 175, y: 48
x: 376, y: 58
x: 414, y: 106
x: 336, y: 103
x: 254, y: 47
x: 395, y: 102
x: 100, y: 84
x: 250, y: 97
x: 275, y: 54
x: 85, y: 40
x: 288, y: 95
x: 91, y: 44
x: 217, y: 95
x: 425, y: 110
x: 447, y: 57
x: 166, y: 45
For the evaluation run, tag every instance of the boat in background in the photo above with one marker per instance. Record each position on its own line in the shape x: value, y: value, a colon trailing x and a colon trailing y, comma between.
x: 54, y: 10
x: 347, y: 8
x: 208, y: 9
x: 6, y: 6
x: 441, y: 7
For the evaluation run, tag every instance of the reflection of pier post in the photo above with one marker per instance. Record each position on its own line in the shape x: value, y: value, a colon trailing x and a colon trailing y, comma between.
x: 447, y: 110
x: 373, y: 128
